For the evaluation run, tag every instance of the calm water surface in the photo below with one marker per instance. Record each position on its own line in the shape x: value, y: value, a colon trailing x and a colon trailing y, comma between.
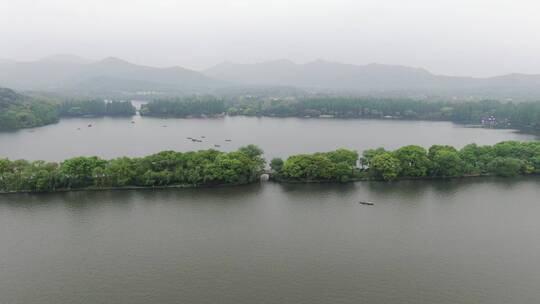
x: 457, y: 241
x: 112, y: 137
x: 474, y: 241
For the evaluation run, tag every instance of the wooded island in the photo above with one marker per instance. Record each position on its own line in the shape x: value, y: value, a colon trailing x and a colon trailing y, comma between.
x: 214, y: 168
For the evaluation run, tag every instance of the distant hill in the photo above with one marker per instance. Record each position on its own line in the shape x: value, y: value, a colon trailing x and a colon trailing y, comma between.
x: 9, y: 97
x: 72, y: 73
x: 114, y: 73
x: 322, y: 74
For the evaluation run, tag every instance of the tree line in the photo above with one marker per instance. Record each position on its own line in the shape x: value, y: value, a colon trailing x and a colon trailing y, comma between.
x: 212, y: 167
x: 18, y: 111
x: 508, y: 158
x: 196, y: 106
x: 95, y: 107
x: 488, y: 112
x: 167, y: 168
x: 491, y: 112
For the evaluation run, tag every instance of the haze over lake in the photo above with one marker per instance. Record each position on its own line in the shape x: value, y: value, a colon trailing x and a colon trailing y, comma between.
x: 227, y: 152
x: 278, y: 137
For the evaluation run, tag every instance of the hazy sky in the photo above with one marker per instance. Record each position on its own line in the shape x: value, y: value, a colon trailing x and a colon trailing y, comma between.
x: 458, y: 37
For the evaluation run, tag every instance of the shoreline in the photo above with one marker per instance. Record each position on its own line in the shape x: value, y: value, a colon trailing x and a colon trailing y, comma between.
x: 273, y: 180
x: 465, y: 124
x: 95, y: 189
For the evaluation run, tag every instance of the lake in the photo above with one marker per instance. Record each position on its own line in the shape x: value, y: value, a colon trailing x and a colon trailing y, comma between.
x: 113, y: 137
x: 442, y: 241
x: 454, y: 241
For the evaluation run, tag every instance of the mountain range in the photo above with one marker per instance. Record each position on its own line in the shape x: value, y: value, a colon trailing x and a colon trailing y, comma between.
x: 76, y: 74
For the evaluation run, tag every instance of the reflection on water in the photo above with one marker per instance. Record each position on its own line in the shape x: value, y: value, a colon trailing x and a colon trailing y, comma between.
x: 441, y: 241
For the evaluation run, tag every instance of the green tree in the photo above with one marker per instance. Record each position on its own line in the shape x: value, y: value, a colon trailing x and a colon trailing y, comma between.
x: 505, y: 166
x: 413, y: 161
x: 79, y: 171
x: 276, y: 164
x: 385, y: 166
x: 445, y: 161
x: 368, y: 155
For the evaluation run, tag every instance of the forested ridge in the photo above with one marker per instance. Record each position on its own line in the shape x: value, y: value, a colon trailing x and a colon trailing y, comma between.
x: 18, y: 111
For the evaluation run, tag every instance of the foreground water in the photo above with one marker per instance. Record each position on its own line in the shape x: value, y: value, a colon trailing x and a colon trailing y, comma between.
x: 112, y: 137
x: 454, y: 241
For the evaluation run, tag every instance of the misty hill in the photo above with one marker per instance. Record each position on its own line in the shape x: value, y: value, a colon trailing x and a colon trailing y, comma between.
x: 71, y: 73
x: 9, y: 97
x: 372, y: 77
x: 320, y: 74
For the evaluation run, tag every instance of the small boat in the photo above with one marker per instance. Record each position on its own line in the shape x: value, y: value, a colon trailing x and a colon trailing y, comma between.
x: 366, y: 203
x: 228, y: 140
x: 217, y: 146
x: 203, y: 137
x: 164, y: 126
x: 90, y: 125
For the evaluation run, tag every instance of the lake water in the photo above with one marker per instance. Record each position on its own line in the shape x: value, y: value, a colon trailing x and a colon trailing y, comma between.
x: 112, y: 137
x: 457, y: 241
x: 453, y: 241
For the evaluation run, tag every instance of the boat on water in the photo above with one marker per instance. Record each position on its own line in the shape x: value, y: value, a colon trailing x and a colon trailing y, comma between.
x: 366, y: 203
